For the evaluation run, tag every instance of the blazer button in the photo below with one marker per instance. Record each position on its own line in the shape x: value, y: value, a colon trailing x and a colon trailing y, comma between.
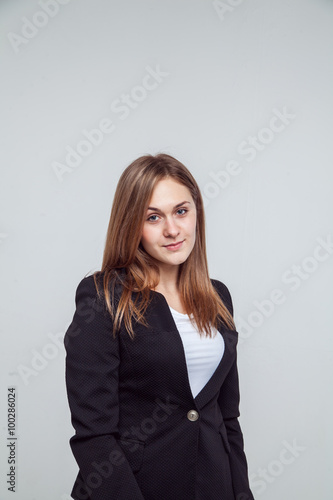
x: 193, y: 415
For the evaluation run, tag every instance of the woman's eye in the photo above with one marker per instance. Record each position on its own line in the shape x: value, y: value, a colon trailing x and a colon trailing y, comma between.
x: 150, y: 218
x: 184, y: 210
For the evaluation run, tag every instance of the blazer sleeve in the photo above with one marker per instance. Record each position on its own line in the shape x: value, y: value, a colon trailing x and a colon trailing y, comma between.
x: 92, y: 363
x: 228, y: 400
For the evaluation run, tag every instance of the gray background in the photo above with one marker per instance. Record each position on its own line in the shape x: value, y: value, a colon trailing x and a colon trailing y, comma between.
x: 227, y: 71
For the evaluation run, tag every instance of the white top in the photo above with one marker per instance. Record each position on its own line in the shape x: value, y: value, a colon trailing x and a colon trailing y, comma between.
x: 203, y: 354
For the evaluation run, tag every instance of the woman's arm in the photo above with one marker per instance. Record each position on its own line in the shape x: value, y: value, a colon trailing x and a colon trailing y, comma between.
x: 92, y: 362
x: 229, y: 404
x: 228, y: 401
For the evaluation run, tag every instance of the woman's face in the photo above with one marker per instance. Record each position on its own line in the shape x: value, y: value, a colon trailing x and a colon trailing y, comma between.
x: 169, y: 229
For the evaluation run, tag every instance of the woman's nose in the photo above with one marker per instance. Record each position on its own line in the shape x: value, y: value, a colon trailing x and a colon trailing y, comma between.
x: 170, y: 227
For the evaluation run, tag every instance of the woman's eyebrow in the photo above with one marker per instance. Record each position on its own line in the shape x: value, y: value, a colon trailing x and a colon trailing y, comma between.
x: 176, y: 206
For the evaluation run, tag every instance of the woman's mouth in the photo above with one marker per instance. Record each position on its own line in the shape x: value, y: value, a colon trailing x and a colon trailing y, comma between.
x: 174, y: 246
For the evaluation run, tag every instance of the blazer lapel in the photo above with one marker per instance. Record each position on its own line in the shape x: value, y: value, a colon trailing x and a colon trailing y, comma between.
x: 214, y: 383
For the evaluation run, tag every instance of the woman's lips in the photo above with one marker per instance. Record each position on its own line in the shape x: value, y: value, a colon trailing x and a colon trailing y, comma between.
x: 174, y: 246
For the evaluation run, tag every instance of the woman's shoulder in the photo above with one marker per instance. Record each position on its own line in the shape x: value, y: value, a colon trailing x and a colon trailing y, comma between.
x: 224, y: 293
x: 93, y: 284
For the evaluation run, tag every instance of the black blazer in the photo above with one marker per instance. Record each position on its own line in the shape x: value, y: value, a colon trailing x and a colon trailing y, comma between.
x: 140, y: 434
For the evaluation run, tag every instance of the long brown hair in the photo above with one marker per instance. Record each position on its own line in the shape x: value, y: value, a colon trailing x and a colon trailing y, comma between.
x: 126, y: 263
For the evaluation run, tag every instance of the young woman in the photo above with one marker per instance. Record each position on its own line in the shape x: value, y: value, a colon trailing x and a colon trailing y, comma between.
x: 151, y: 368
